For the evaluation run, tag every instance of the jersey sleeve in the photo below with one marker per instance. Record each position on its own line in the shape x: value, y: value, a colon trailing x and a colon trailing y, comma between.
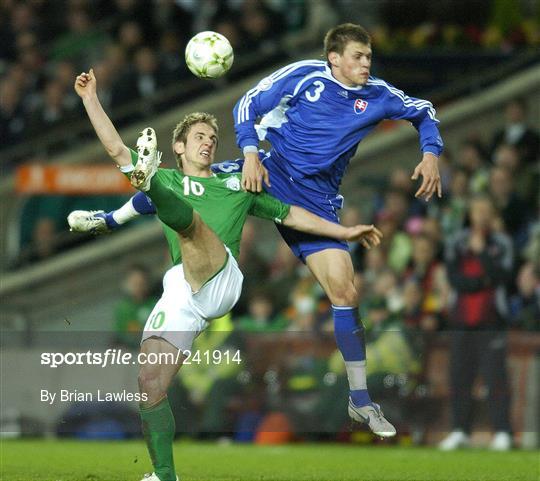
x: 420, y: 113
x: 265, y: 96
x: 134, y: 156
x: 267, y: 207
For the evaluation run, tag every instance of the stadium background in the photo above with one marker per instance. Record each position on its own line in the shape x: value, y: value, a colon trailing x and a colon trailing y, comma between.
x: 478, y: 62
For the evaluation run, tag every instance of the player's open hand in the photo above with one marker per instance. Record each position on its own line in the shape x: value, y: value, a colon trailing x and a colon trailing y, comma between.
x: 367, y: 235
x: 254, y: 173
x: 85, y: 84
x: 428, y: 168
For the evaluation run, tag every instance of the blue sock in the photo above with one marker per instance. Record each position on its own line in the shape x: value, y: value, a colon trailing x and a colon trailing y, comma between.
x: 109, y: 220
x: 349, y: 333
x: 142, y: 204
x: 139, y: 204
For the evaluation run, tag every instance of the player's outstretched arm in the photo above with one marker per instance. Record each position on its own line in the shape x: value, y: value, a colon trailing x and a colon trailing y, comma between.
x: 85, y: 86
x: 300, y: 219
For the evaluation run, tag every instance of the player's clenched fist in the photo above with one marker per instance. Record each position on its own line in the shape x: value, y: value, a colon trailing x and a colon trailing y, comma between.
x: 85, y: 84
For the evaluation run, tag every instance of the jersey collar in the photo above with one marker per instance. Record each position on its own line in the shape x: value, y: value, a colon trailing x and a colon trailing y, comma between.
x: 328, y: 74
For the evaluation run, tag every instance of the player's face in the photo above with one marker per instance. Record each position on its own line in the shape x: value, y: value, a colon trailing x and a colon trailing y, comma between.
x: 200, y: 147
x: 352, y: 67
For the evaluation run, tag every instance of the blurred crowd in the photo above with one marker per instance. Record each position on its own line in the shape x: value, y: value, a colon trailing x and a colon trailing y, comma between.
x: 136, y: 49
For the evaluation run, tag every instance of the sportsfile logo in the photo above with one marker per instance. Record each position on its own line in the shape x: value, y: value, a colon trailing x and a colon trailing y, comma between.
x: 117, y: 357
x: 360, y: 106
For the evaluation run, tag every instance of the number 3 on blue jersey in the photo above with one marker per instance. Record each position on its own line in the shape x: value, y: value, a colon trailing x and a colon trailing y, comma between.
x: 316, y: 95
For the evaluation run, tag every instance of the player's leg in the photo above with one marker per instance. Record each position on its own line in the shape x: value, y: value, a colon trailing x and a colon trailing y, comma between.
x: 463, y: 368
x: 493, y: 368
x: 156, y: 415
x: 334, y: 271
x: 203, y: 253
x: 169, y: 331
x: 100, y: 222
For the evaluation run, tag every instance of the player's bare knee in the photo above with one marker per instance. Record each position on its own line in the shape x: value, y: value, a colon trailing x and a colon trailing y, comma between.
x: 150, y: 384
x: 343, y: 294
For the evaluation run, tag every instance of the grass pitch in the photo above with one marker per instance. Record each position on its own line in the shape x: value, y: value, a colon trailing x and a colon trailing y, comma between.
x: 128, y: 461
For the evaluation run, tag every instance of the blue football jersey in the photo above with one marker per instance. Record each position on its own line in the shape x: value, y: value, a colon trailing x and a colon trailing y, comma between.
x: 315, y: 123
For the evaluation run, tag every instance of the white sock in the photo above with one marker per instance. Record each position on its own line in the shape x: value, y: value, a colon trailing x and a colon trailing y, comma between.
x: 125, y: 213
x: 126, y: 169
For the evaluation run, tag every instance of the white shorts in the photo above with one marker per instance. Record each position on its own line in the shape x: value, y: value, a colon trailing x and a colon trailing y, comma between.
x: 181, y: 315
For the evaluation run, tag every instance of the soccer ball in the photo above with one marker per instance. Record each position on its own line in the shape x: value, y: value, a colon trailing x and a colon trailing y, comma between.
x: 209, y: 55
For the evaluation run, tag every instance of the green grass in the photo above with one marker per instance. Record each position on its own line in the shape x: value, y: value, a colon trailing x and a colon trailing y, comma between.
x: 127, y: 461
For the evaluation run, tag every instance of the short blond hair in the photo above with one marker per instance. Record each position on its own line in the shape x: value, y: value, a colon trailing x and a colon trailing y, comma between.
x: 182, y: 129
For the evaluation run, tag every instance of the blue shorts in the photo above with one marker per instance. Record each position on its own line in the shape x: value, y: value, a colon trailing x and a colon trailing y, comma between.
x: 284, y: 188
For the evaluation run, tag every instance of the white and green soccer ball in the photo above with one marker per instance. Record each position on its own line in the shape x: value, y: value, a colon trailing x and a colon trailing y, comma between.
x: 209, y: 55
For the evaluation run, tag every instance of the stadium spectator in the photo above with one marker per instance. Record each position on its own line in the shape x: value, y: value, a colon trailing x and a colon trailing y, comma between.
x: 526, y: 177
x: 202, y: 394
x: 479, y: 263
x: 13, y: 120
x: 430, y: 274
x: 374, y: 265
x: 131, y: 312
x: 285, y: 273
x: 513, y: 210
x: 454, y: 208
x: 516, y: 132
x: 525, y: 304
x: 261, y: 315
x: 53, y: 109
x: 400, y: 182
x: 130, y: 37
x: 254, y: 266
x: 44, y: 242
x: 396, y: 242
x: 147, y: 78
x: 172, y: 64
x: 472, y: 159
x: 389, y: 347
x: 82, y: 42
x: 413, y: 314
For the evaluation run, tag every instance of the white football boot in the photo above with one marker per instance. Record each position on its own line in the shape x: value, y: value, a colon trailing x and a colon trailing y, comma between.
x: 372, y: 415
x: 502, y: 441
x: 148, y: 160
x: 91, y: 221
x: 152, y: 477
x: 455, y: 440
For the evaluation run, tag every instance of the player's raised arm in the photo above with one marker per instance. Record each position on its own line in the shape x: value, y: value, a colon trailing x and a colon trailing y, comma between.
x: 85, y: 86
x: 302, y: 220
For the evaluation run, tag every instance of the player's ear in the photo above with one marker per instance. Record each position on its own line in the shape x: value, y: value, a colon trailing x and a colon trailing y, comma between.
x: 334, y: 58
x: 179, y: 148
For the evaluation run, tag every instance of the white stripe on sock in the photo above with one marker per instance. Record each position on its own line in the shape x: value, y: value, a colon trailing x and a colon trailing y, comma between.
x: 356, y: 372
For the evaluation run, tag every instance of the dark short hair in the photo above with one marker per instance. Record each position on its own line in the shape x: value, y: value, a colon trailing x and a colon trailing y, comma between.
x: 338, y: 37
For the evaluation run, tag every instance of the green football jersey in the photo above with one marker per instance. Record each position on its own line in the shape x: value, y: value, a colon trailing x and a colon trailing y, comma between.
x: 222, y: 205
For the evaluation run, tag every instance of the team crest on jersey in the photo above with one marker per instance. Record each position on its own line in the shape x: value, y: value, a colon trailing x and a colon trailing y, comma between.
x: 360, y: 106
x: 265, y: 84
x: 233, y: 183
